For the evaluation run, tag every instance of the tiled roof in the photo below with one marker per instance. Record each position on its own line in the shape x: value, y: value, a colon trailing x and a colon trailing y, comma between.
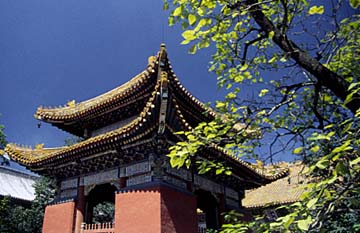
x: 73, y: 111
x: 123, y: 135
x: 282, y: 191
x: 185, y: 108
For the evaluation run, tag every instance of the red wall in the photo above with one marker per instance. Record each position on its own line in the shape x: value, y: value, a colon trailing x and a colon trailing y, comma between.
x: 155, y: 210
x: 59, y: 218
x: 137, y: 211
x: 178, y: 211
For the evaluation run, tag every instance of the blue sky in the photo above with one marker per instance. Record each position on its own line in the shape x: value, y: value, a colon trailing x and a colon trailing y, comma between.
x: 54, y: 51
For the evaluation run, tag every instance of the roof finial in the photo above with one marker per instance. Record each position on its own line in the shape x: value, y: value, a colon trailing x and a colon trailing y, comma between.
x: 162, y: 53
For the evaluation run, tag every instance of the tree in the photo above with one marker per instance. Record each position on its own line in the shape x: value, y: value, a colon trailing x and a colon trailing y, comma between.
x: 4, y: 214
x: 302, y: 59
x: 2, y: 137
x: 72, y: 140
x: 104, y: 212
x: 29, y: 220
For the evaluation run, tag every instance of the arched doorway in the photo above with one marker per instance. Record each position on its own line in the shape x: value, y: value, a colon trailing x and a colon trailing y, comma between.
x: 208, y: 206
x: 100, y: 204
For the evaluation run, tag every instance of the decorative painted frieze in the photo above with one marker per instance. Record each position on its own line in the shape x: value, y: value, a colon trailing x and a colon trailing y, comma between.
x: 137, y: 168
x: 182, y: 173
x: 140, y: 179
x: 176, y: 182
x: 208, y: 185
x: 68, y: 193
x: 102, y: 177
x: 67, y: 184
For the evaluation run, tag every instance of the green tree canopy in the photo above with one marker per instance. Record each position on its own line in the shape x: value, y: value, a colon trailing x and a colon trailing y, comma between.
x: 301, y: 59
x: 2, y: 136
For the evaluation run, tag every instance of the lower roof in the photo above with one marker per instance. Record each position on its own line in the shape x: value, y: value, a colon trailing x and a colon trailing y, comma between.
x: 285, y: 190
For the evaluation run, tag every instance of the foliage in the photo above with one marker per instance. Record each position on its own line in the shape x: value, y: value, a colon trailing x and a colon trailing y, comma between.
x: 302, y: 60
x: 4, y: 213
x: 2, y: 137
x: 104, y: 212
x: 27, y: 220
x: 72, y: 140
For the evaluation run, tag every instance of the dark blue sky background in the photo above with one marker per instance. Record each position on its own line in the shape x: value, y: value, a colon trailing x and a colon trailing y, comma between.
x: 54, y: 51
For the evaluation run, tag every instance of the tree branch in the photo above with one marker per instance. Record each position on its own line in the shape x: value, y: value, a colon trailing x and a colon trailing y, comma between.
x: 328, y: 79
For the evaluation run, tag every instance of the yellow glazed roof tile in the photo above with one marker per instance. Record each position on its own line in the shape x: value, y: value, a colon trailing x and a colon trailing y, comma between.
x: 29, y: 156
x: 73, y: 110
x: 282, y: 191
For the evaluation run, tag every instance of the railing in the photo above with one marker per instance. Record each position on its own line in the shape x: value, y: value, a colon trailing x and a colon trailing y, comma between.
x: 107, y: 227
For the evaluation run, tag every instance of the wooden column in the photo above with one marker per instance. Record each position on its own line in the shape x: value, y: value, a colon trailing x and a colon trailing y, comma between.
x: 122, y: 182
x: 80, y: 209
x: 221, y: 208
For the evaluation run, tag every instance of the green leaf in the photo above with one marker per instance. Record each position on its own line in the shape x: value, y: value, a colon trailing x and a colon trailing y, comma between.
x: 220, y: 105
x: 231, y: 95
x: 271, y: 35
x: 177, y: 11
x: 315, y: 149
x: 192, y: 19
x: 283, y: 59
x: 343, y: 147
x: 219, y: 171
x: 355, y: 161
x: 272, y: 60
x: 244, y: 67
x: 187, y: 163
x: 316, y: 10
x: 263, y: 92
x: 189, y: 35
x: 341, y: 169
x: 166, y: 6
x: 304, y: 224
x: 312, y: 202
x: 322, y: 164
x: 228, y: 172
x: 352, y: 85
x: 193, y: 49
x: 298, y: 150
x: 354, y: 3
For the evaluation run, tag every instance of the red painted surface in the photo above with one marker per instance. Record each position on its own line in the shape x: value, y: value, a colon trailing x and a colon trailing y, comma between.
x: 80, y: 209
x: 137, y: 211
x: 59, y: 218
x: 155, y: 210
x: 178, y: 212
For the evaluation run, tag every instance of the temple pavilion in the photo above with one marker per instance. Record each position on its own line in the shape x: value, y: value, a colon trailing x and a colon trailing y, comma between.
x: 122, y: 160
